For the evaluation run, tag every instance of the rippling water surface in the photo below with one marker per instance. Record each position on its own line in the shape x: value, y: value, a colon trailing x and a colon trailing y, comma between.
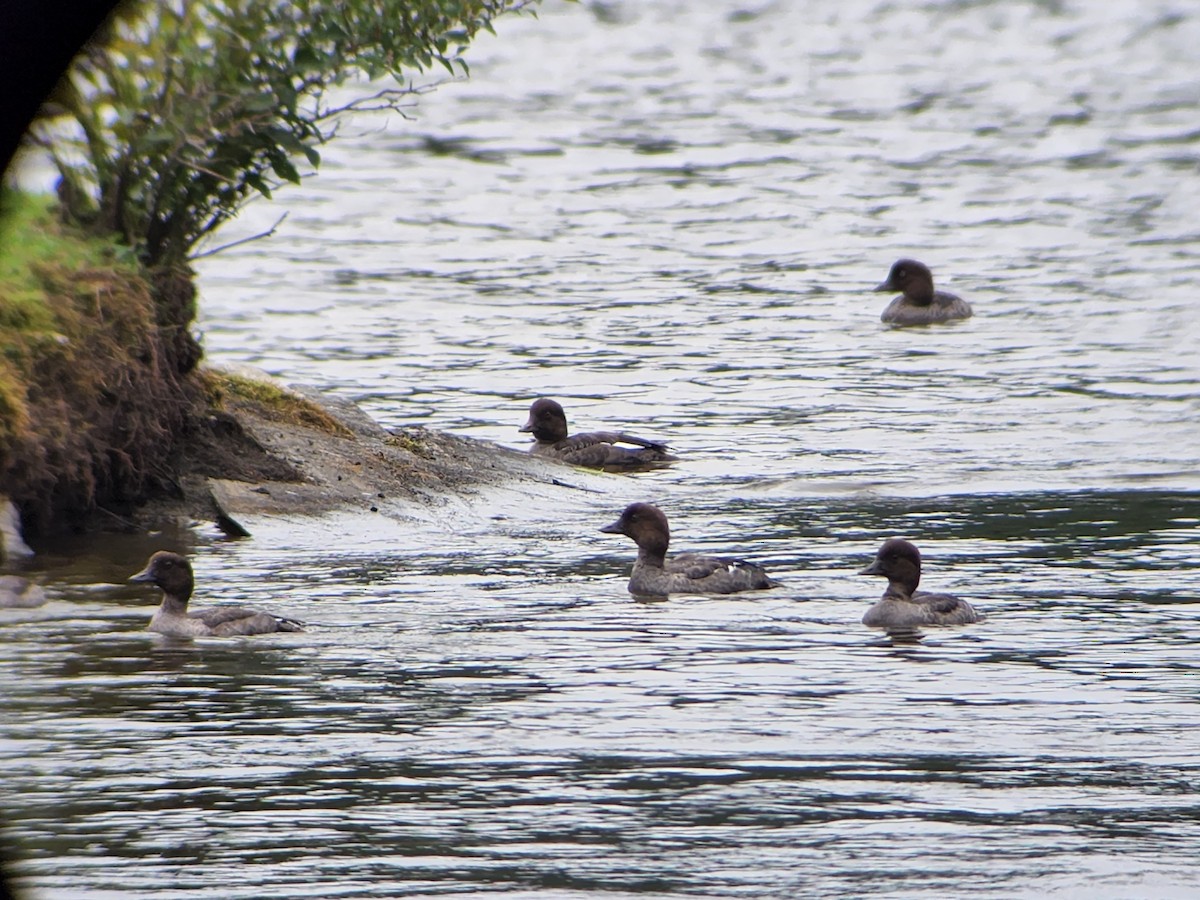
x: 669, y: 217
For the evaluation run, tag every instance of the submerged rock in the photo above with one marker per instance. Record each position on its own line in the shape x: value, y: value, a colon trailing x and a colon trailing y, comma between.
x: 20, y: 593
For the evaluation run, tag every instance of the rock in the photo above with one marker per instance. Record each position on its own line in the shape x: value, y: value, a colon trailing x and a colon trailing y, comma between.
x: 410, y: 474
x: 12, y: 544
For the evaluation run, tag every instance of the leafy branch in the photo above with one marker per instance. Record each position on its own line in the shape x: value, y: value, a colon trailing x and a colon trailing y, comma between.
x: 183, y: 110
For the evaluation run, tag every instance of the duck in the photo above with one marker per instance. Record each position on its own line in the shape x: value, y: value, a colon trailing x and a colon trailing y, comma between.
x: 593, y: 450
x: 173, y: 573
x: 688, y: 573
x: 20, y: 593
x: 919, y: 303
x: 904, y: 609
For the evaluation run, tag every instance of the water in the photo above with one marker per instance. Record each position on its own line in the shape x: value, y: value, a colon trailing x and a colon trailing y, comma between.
x: 670, y: 218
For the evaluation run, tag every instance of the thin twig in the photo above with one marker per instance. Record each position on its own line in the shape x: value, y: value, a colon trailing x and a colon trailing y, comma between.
x: 386, y: 99
x: 124, y: 522
x: 254, y: 237
x: 207, y: 171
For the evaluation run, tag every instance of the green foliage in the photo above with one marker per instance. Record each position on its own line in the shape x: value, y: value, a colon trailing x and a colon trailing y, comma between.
x: 182, y: 110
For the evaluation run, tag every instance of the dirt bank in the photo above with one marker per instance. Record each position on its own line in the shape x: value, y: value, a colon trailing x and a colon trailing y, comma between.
x: 97, y: 370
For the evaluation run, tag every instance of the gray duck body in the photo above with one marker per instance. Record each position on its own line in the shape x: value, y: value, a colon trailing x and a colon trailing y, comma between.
x: 903, y: 608
x: 919, y: 303
x: 173, y: 574
x: 595, y: 449
x: 654, y: 575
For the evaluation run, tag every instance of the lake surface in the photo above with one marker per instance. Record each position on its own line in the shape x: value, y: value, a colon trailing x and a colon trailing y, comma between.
x: 669, y: 216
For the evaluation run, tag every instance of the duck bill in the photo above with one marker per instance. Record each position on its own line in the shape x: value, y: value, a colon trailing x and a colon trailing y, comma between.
x: 872, y: 569
x: 144, y: 575
x: 613, y: 528
x: 527, y: 427
x: 886, y: 286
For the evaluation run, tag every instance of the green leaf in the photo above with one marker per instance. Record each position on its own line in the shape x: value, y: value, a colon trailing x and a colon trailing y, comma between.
x: 284, y: 169
x: 259, y: 185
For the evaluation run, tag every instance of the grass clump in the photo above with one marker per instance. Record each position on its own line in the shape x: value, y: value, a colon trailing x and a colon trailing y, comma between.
x: 406, y: 441
x: 34, y: 245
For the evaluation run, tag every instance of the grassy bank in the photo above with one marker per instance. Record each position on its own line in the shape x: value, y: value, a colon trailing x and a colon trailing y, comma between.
x: 94, y: 388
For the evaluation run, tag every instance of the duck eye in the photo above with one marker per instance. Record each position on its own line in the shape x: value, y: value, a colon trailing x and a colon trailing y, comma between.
x: 902, y: 273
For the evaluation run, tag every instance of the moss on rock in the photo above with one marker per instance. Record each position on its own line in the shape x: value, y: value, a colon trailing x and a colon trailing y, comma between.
x: 226, y: 389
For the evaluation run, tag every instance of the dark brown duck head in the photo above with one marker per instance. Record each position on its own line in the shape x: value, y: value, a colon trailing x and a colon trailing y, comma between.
x: 547, y: 421
x: 646, y: 524
x: 899, y: 562
x: 171, y: 572
x: 912, y: 279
